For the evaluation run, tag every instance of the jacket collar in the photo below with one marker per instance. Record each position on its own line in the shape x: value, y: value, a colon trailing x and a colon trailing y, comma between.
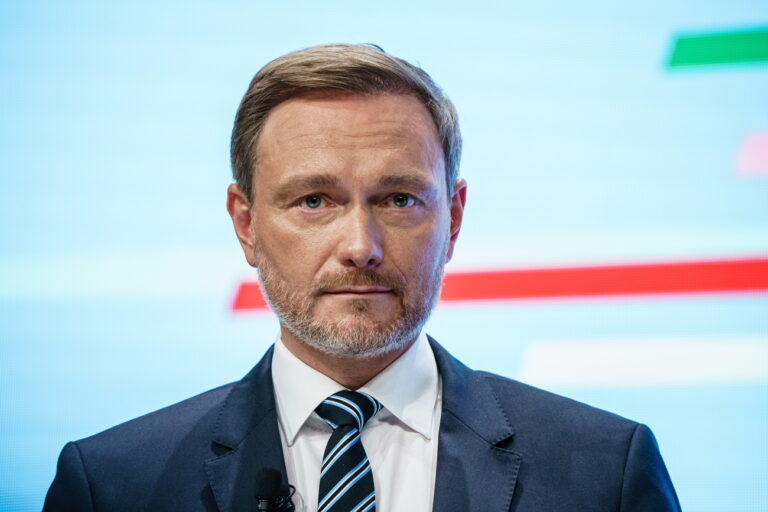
x: 246, y: 439
x: 473, y: 434
x: 475, y: 469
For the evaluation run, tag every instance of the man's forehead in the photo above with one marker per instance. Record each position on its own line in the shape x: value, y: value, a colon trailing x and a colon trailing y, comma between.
x: 347, y: 120
x: 323, y: 130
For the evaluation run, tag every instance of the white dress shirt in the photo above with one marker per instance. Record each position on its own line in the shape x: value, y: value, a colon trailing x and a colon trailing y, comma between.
x: 400, y: 441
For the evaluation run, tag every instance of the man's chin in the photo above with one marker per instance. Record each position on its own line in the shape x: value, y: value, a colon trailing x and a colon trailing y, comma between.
x: 363, y: 340
x: 384, y: 308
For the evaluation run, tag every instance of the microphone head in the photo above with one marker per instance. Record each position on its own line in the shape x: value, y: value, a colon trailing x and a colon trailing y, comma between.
x: 269, y: 483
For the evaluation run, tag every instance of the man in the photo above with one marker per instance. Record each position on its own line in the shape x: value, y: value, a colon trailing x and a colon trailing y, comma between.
x: 349, y: 204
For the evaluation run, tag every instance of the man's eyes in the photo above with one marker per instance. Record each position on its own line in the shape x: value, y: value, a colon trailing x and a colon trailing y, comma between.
x: 399, y: 200
x: 312, y: 201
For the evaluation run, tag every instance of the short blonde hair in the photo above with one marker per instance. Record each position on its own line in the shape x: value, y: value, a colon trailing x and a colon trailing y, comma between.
x: 355, y: 68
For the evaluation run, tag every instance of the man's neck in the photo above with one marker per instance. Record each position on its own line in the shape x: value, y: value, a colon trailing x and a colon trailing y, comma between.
x: 351, y: 372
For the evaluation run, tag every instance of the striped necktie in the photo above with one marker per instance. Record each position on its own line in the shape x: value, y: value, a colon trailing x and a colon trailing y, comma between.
x: 346, y: 483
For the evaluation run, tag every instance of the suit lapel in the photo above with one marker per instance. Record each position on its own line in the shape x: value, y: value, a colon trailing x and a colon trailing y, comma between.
x: 474, y: 471
x: 246, y: 439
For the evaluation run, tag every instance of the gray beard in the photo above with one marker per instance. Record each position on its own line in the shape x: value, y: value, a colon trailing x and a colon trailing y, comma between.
x: 361, y: 336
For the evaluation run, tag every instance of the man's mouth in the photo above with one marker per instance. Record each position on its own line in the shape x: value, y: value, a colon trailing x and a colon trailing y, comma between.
x: 359, y: 290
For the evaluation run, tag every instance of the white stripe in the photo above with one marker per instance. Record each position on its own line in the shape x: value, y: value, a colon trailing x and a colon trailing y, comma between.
x: 370, y: 498
x: 341, y: 482
x: 339, y: 454
x: 345, y: 489
x: 375, y: 402
x: 646, y: 362
x: 143, y: 273
x: 360, y: 415
x: 338, y: 446
x: 344, y: 408
x: 373, y: 504
x: 332, y: 424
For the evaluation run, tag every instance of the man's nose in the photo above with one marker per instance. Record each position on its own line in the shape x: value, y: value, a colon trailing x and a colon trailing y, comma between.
x: 360, y: 244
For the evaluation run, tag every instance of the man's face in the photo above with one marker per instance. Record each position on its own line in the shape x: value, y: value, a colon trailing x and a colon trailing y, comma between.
x: 350, y: 221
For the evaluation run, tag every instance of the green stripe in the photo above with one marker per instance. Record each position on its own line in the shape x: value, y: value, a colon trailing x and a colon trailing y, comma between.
x: 745, y: 46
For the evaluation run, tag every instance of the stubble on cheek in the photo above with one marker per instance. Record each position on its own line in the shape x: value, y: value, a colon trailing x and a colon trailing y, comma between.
x: 359, y: 328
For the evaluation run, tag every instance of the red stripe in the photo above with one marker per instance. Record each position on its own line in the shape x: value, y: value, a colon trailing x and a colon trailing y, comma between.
x: 649, y: 278
x: 248, y: 296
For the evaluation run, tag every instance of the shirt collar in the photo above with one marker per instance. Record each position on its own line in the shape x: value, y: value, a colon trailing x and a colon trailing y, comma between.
x: 407, y: 388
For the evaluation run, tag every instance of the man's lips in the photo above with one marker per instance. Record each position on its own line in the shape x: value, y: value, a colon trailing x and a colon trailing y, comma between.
x: 359, y: 290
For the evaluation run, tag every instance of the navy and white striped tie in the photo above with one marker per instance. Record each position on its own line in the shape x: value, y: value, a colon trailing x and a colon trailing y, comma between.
x: 346, y: 483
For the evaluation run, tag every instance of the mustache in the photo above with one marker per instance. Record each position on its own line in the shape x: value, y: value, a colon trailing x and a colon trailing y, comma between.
x: 361, y: 277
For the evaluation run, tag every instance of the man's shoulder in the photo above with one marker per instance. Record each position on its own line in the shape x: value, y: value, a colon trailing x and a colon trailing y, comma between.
x: 156, y: 458
x: 530, y: 408
x: 189, y: 419
x: 527, y: 409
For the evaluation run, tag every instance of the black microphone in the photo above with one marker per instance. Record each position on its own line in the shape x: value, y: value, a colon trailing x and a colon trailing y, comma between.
x: 271, y: 494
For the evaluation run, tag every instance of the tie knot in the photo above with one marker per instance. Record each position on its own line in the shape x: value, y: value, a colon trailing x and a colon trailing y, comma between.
x: 350, y: 408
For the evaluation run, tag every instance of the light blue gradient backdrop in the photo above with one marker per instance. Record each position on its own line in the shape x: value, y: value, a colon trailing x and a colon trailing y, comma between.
x: 118, y: 262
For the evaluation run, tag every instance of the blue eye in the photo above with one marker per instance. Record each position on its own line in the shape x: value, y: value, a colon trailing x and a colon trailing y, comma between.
x: 402, y: 200
x: 313, y: 201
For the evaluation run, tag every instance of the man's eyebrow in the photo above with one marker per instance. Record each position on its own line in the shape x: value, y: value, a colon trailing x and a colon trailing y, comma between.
x: 405, y: 180
x: 302, y: 184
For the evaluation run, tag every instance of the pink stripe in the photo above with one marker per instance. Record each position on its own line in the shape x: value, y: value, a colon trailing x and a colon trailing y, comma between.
x: 753, y: 157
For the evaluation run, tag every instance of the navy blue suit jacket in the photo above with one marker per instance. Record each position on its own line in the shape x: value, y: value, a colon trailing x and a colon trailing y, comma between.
x: 503, y: 446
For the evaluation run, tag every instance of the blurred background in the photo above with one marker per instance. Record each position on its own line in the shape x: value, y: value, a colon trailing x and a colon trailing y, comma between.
x: 615, y: 247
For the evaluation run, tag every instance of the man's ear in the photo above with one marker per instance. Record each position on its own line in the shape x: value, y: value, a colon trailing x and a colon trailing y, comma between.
x: 239, y: 208
x: 458, y: 200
